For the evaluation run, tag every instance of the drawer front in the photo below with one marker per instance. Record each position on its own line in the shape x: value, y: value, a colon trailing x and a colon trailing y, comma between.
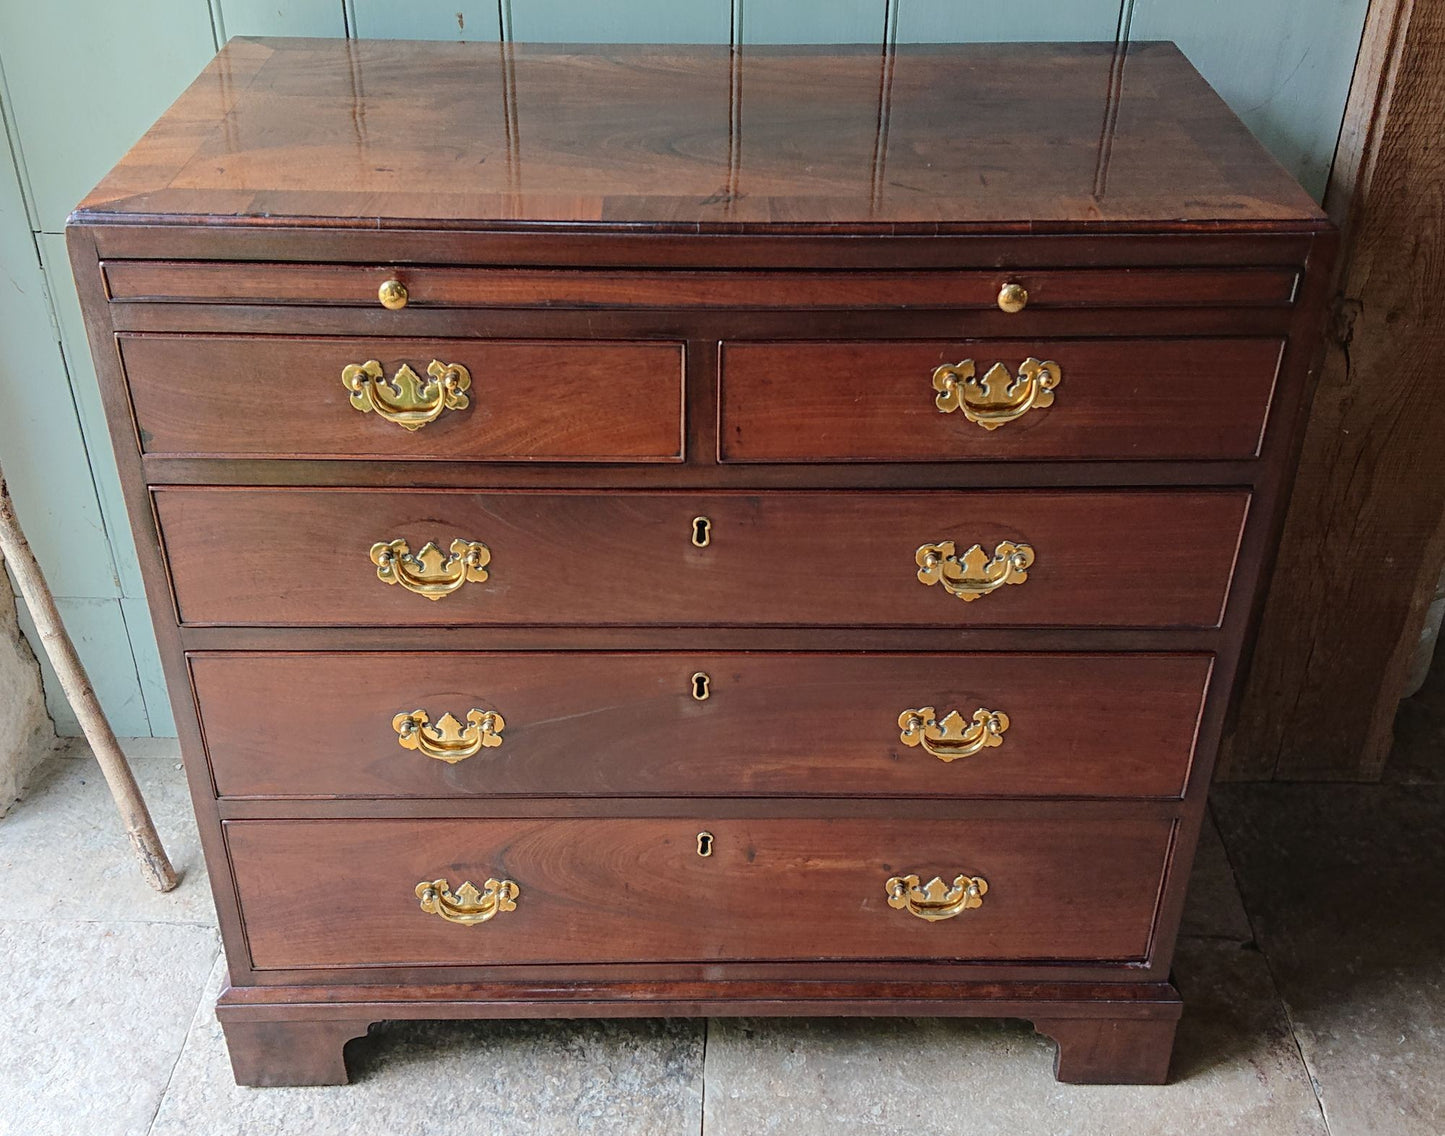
x: 708, y: 725
x: 1120, y: 399
x: 400, y: 398
x: 443, y: 287
x: 333, y: 893
x: 309, y: 557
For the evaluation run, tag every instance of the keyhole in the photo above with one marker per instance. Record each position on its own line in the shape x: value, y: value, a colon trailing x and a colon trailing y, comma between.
x: 704, y: 844
x: 701, y: 532
x: 701, y: 686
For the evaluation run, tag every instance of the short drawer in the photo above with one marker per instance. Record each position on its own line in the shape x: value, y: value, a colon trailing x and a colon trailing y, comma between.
x: 460, y: 399
x: 344, y: 557
x: 993, y: 399
x: 710, y: 725
x: 350, y: 893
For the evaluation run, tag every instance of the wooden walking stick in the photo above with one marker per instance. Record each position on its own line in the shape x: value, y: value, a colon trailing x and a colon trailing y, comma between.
x: 155, y: 865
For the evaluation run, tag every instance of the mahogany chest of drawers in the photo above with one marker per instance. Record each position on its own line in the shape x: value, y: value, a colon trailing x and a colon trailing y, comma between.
x: 654, y: 531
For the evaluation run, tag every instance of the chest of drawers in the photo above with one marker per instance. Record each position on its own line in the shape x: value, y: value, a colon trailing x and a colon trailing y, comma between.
x: 654, y: 531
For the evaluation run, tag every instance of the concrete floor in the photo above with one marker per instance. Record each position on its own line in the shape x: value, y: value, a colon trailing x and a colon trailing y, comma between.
x: 1312, y: 965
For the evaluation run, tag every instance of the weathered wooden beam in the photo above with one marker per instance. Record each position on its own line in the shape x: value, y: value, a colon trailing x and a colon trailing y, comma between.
x: 1365, y: 535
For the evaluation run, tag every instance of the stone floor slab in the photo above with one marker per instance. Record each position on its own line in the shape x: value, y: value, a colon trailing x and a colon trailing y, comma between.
x: 1236, y: 1070
x: 65, y: 855
x: 1213, y: 908
x: 546, y: 1078
x: 92, y: 1019
x: 100, y: 985
x: 1344, y: 886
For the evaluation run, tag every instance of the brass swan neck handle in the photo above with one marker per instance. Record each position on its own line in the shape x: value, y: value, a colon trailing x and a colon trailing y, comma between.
x: 449, y: 740
x: 467, y: 905
x: 408, y: 400
x: 936, y: 900
x: 430, y: 572
x: 951, y: 737
x: 975, y: 573
x: 1000, y: 396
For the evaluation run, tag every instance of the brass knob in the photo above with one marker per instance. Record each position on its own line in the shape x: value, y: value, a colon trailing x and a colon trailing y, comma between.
x: 1011, y: 297
x: 393, y: 296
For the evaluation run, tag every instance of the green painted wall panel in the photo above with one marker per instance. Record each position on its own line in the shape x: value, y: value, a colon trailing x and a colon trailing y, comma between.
x: 142, y: 635
x: 41, y: 447
x: 85, y: 392
x: 988, y: 21
x: 1284, y: 66
x: 812, y: 21
x: 638, y: 21
x: 98, y: 630
x: 425, y: 19
x: 279, y: 18
x: 86, y: 79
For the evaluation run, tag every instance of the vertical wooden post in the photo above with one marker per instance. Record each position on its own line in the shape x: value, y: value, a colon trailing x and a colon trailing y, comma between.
x: 155, y: 865
x: 1365, y: 536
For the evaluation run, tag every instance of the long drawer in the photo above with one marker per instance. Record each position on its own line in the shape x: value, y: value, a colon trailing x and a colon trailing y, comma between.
x: 339, y: 557
x: 351, y: 893
x: 459, y: 399
x: 706, y: 725
x: 1178, y: 399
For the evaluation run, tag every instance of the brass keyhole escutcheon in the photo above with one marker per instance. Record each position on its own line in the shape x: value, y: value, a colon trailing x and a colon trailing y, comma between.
x: 704, y: 844
x: 701, y: 687
x: 392, y: 295
x: 701, y: 532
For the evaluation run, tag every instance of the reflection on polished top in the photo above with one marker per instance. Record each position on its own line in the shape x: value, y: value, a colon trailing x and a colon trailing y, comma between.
x: 1047, y: 137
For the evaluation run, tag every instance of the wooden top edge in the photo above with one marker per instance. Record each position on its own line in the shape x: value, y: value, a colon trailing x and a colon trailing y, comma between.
x: 96, y: 217
x: 923, y: 139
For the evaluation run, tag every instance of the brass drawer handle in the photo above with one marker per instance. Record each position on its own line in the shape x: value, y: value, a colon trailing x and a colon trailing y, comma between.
x: 467, y: 905
x: 429, y: 573
x: 936, y: 900
x: 449, y: 740
x: 974, y: 573
x: 950, y: 738
x: 998, y: 397
x: 407, y: 400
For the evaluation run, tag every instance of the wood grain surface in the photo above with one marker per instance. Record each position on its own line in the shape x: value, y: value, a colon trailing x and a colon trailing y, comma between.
x: 1362, y: 553
x: 611, y: 890
x: 590, y: 724
x: 283, y: 397
x: 1124, y: 559
x: 1117, y: 398
x: 433, y: 286
x: 639, y: 135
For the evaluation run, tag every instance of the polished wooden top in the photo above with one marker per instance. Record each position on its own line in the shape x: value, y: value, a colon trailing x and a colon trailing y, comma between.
x: 956, y: 138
